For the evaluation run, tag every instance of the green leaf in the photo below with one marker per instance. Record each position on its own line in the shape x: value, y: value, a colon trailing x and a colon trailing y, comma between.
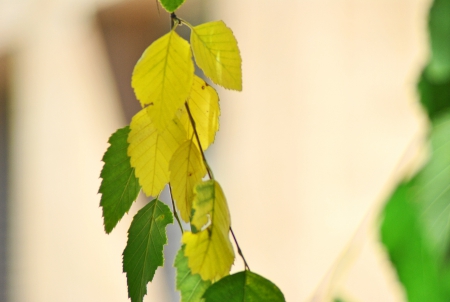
x: 243, y: 287
x: 439, y: 26
x: 402, y: 234
x: 191, y: 286
x: 434, y: 95
x: 217, y: 54
x: 171, y: 5
x: 144, y: 251
x: 416, y: 229
x: 119, y: 187
x: 163, y: 77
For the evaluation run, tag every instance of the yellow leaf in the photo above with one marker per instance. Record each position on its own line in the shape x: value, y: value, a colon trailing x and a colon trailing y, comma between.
x: 204, y: 106
x: 163, y: 77
x: 186, y: 171
x: 150, y: 150
x: 217, y: 54
x: 209, y: 251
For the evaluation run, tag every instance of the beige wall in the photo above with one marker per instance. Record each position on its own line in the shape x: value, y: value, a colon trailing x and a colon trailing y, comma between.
x: 304, y: 153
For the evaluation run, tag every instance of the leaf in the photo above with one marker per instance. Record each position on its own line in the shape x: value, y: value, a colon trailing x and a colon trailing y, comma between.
x: 402, y: 234
x: 171, y: 5
x: 434, y: 95
x: 439, y: 26
x: 119, y: 187
x: 186, y: 171
x: 430, y: 188
x: 163, y: 76
x: 209, y: 250
x: 191, y: 287
x: 217, y: 54
x: 150, y: 150
x: 204, y: 106
x: 243, y: 287
x: 144, y: 251
x: 416, y: 229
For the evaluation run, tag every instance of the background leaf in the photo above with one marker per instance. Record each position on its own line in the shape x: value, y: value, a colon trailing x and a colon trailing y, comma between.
x: 243, y: 287
x: 144, y: 251
x: 171, y: 5
x: 416, y: 229
x: 439, y: 27
x: 217, y: 54
x: 209, y: 251
x: 151, y: 151
x: 434, y: 85
x: 163, y: 76
x: 191, y: 286
x: 434, y: 95
x: 119, y: 187
x: 186, y: 171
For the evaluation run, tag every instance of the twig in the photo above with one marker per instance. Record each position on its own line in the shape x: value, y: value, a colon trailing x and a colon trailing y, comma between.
x: 175, y: 210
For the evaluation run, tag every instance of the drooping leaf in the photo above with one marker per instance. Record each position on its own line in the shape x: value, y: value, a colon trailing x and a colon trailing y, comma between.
x: 210, y: 203
x: 243, y: 287
x: 171, y: 5
x: 144, y: 251
x: 150, y: 150
x: 209, y: 251
x: 203, y: 104
x: 439, y: 27
x: 217, y: 54
x: 163, y: 76
x: 186, y: 171
x: 119, y: 187
x: 191, y: 286
x: 416, y: 229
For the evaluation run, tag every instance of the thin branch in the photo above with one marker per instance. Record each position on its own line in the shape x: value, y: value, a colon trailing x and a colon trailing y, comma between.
x: 174, y: 210
x: 239, y: 250
x: 211, y: 176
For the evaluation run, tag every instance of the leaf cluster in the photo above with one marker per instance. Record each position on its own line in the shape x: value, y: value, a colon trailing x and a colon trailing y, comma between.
x: 164, y: 145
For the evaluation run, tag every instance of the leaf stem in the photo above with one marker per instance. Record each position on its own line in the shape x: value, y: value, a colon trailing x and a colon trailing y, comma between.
x: 239, y: 250
x: 210, y: 174
x: 174, y: 210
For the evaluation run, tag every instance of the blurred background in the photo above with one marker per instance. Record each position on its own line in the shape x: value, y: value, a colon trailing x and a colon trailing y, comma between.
x: 326, y: 124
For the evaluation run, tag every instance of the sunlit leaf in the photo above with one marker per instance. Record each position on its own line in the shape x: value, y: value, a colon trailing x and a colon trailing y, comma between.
x: 416, y: 228
x: 210, y: 253
x: 210, y: 203
x: 208, y: 247
x: 243, y: 287
x: 191, y: 286
x: 151, y: 151
x: 144, y: 251
x: 186, y: 171
x: 119, y: 187
x: 217, y: 54
x: 163, y: 76
x: 171, y: 5
x: 204, y: 106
